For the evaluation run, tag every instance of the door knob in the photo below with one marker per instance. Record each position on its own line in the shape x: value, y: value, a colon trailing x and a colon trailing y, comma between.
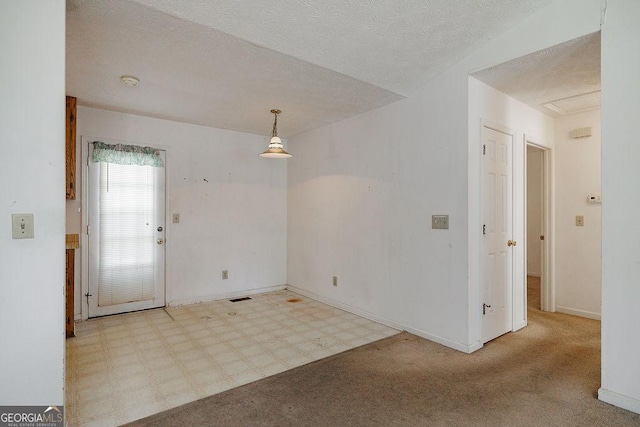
x: 160, y: 241
x: 511, y: 243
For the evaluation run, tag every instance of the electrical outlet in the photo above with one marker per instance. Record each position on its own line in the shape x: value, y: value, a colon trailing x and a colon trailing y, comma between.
x: 335, y: 280
x: 176, y: 218
x: 440, y: 222
x: 225, y: 274
x: 579, y: 221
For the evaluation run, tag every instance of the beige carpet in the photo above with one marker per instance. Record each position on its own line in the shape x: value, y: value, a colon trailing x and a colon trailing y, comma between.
x: 547, y: 374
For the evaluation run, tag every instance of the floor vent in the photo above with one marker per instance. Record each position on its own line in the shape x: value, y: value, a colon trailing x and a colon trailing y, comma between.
x: 239, y: 299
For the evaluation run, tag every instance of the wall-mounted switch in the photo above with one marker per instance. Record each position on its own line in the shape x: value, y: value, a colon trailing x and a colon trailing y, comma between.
x: 225, y: 274
x: 175, y: 218
x: 22, y: 226
x: 335, y: 280
x: 579, y: 221
x: 440, y: 222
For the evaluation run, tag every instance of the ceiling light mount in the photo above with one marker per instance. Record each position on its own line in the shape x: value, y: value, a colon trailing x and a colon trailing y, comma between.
x: 276, y: 149
x: 130, y: 81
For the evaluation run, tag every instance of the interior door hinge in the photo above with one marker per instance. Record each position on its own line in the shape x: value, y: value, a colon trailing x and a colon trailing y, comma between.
x: 484, y: 229
x: 484, y: 308
x: 88, y: 295
x: 484, y: 149
x: 87, y: 230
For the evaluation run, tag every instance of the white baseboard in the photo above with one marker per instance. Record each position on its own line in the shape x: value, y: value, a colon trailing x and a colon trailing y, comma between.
x: 395, y: 325
x: 581, y: 313
x: 444, y: 341
x: 619, y: 400
x: 346, y: 307
x: 225, y: 295
x: 519, y: 325
x: 474, y: 347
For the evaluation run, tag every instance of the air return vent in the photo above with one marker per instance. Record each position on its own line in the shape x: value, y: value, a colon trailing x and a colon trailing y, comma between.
x: 580, y: 132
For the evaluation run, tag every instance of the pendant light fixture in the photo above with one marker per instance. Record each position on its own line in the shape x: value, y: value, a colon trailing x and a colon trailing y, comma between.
x: 275, y: 150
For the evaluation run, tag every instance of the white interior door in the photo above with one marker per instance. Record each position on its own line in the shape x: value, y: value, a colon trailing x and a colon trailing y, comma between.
x: 126, y: 235
x: 497, y: 218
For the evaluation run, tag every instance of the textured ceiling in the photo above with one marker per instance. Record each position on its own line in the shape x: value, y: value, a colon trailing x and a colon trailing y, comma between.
x: 226, y: 63
x: 195, y: 74
x: 562, y: 79
x: 388, y: 43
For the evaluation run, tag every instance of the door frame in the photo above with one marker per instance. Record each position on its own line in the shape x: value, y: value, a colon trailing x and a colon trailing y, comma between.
x: 547, y: 282
x: 84, y: 237
x: 518, y: 283
x: 510, y: 207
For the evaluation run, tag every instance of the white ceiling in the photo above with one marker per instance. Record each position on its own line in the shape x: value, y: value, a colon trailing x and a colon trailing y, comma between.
x: 226, y: 63
x: 562, y: 79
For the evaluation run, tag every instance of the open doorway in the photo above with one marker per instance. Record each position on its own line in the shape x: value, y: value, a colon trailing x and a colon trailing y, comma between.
x: 535, y: 224
x: 563, y: 82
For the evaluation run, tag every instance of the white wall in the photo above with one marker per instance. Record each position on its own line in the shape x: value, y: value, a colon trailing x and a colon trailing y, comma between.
x: 578, y: 272
x: 362, y: 192
x: 534, y: 210
x: 232, y: 204
x: 32, y: 180
x: 620, y: 205
x: 361, y: 195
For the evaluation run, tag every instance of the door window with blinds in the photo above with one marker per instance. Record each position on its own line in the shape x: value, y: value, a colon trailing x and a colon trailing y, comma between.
x: 126, y: 228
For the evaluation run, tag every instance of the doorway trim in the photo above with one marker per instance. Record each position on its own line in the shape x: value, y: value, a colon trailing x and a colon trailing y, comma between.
x: 518, y: 293
x: 501, y: 206
x: 84, y: 238
x: 547, y: 286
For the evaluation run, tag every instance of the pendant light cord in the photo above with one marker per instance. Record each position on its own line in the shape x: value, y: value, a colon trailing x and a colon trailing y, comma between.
x: 274, y: 132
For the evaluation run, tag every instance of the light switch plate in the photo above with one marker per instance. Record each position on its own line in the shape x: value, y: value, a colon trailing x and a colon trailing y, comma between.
x: 22, y: 226
x: 175, y: 218
x: 440, y: 222
x: 579, y: 221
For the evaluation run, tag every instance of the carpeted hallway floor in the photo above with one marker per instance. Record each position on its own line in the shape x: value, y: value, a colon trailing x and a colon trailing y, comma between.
x: 547, y: 374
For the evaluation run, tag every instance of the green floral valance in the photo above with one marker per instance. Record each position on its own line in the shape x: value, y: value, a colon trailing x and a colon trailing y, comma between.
x: 122, y: 154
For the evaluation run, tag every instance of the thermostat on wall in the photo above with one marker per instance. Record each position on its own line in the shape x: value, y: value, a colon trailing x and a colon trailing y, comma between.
x: 594, y: 198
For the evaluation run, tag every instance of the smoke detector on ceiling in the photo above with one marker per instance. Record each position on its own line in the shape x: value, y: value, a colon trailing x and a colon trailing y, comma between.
x: 130, y: 81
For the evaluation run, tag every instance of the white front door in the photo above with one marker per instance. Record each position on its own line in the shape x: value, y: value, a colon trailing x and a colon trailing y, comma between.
x: 497, y: 246
x: 126, y: 237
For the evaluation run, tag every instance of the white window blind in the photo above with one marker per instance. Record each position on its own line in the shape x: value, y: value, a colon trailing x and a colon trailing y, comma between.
x: 127, y: 238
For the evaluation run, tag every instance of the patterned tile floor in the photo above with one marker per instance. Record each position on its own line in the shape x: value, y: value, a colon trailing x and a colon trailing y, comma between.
x: 122, y: 368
